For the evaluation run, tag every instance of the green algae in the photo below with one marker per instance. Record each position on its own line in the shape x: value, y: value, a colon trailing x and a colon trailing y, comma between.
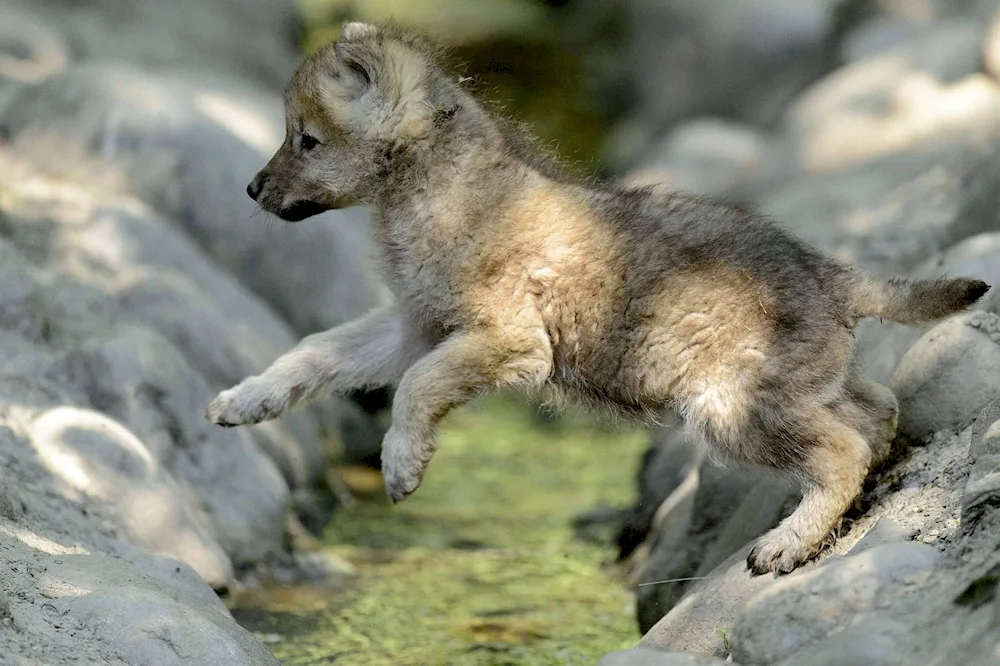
x: 480, y: 566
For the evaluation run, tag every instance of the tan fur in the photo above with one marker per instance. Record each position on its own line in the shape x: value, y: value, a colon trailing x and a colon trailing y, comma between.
x: 508, y: 274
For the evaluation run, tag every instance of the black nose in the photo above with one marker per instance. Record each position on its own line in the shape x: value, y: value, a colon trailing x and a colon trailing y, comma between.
x: 253, y: 189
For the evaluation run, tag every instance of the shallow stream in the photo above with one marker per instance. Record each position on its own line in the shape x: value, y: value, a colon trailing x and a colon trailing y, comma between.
x: 481, y: 566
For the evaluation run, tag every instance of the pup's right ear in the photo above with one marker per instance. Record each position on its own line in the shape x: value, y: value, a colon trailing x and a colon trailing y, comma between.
x: 356, y: 30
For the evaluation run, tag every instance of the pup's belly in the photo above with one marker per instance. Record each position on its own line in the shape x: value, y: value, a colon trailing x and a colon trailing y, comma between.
x: 700, y: 363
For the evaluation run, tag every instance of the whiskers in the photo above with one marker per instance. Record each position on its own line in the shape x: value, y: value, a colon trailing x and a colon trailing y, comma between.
x: 261, y: 215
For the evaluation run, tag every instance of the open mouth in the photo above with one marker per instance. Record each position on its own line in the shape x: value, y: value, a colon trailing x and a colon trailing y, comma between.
x: 300, y: 210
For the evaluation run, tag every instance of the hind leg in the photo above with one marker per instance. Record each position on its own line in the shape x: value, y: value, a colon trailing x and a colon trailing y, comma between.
x: 834, y: 462
x: 874, y: 412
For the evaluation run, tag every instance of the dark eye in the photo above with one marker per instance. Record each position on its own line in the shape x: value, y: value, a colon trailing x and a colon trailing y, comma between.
x: 309, y: 142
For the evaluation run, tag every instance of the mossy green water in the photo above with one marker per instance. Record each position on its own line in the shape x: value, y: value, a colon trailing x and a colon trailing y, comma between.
x: 480, y: 566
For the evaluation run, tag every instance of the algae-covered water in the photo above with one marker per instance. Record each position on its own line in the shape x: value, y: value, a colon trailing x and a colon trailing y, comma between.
x: 481, y: 565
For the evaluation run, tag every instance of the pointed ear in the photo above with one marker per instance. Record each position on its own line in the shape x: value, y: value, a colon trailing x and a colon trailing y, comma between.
x: 356, y: 30
x: 359, y: 62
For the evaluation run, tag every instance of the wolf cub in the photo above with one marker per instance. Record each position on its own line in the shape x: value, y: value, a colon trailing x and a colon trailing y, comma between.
x: 508, y: 273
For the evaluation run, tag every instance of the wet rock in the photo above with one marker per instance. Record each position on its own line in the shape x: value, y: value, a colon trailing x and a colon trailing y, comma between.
x: 948, y: 376
x: 801, y: 609
x: 700, y: 623
x: 644, y: 657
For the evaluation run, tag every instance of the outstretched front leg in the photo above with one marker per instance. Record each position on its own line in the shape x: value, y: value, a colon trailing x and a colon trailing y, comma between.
x: 464, y: 366
x: 369, y: 352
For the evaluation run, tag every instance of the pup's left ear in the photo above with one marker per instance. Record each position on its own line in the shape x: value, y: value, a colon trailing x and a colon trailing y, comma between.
x: 359, y: 61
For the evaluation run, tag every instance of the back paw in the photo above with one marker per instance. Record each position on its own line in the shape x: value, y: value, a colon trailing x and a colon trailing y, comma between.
x: 782, y: 551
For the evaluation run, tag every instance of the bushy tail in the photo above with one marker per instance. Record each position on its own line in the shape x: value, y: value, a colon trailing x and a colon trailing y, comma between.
x: 913, y: 301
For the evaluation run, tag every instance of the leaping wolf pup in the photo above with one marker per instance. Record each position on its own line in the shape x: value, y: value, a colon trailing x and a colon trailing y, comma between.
x: 507, y: 273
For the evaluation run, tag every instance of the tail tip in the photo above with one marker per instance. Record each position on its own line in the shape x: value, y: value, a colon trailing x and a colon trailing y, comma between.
x: 974, y: 290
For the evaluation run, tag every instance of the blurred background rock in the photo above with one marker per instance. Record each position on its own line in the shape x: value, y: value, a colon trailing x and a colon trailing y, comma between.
x: 137, y: 279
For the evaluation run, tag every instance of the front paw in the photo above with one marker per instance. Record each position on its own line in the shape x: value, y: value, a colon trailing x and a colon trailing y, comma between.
x: 402, y: 468
x: 250, y: 402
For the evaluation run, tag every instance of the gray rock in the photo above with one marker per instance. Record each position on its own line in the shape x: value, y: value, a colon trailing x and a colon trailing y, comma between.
x: 175, y: 573
x: 733, y: 58
x: 709, y: 610
x: 11, y: 506
x: 143, y: 620
x: 674, y: 561
x: 129, y: 617
x: 669, y: 460
x: 706, y: 156
x: 893, y: 103
x: 188, y: 145
x: 886, y: 530
x: 98, y: 456
x: 140, y: 268
x: 986, y: 432
x: 982, y: 489
x: 946, y: 50
x: 30, y: 51
x: 889, y: 214
x: 5, y: 613
x: 801, y: 609
x: 881, y: 344
x: 991, y: 46
x: 139, y: 379
x: 948, y: 376
x: 644, y: 657
x: 667, y: 571
x: 255, y: 43
x: 871, y: 641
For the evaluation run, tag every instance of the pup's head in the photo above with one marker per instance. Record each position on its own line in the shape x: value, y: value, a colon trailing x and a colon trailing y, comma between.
x: 350, y: 109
